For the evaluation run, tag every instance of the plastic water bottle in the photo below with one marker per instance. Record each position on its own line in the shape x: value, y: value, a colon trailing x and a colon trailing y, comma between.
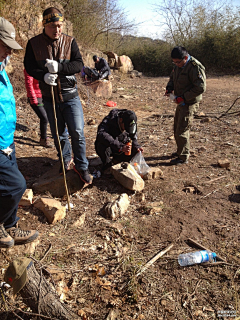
x: 188, y: 259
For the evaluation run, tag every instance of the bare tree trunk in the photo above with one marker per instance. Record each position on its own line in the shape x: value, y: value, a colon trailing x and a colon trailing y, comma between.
x: 39, y: 295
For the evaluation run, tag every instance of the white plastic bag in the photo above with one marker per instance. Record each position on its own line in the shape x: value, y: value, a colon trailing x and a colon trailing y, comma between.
x: 139, y: 164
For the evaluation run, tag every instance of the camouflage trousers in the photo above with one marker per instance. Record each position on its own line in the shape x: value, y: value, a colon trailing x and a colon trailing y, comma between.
x: 182, y: 123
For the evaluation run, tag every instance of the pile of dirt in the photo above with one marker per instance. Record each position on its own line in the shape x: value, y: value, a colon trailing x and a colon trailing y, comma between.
x: 100, y: 260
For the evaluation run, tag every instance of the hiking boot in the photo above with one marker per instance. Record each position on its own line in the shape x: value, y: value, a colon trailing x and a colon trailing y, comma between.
x: 174, y: 155
x: 22, y: 236
x: 84, y: 175
x: 45, y: 143
x: 106, y: 169
x: 67, y: 166
x: 178, y: 162
x: 6, y: 241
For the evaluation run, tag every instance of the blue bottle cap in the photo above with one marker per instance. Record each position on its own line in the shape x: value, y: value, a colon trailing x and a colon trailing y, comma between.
x: 214, y: 255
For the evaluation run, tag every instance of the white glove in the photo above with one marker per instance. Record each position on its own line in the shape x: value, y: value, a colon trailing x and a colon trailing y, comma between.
x: 52, y: 65
x: 50, y: 78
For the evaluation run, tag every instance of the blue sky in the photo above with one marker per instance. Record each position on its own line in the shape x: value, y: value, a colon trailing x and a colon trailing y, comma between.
x: 140, y: 10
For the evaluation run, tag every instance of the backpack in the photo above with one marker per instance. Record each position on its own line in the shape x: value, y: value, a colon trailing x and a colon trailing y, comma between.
x: 91, y: 73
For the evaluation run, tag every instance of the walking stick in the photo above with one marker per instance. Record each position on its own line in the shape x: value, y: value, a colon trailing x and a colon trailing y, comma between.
x: 60, y: 149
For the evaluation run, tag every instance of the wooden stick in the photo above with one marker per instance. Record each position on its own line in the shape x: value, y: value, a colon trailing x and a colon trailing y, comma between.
x: 194, y: 243
x: 3, y: 298
x: 45, y: 254
x: 157, y: 256
x: 209, y: 193
x: 149, y: 263
x: 60, y: 149
x: 215, y: 179
x: 223, y: 114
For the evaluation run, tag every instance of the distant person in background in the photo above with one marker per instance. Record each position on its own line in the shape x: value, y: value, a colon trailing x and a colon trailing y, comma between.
x: 12, y: 182
x: 188, y: 82
x: 35, y: 99
x: 102, y: 67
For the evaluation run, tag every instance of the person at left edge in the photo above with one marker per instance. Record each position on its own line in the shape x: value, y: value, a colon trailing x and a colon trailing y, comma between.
x: 12, y: 182
x: 53, y: 58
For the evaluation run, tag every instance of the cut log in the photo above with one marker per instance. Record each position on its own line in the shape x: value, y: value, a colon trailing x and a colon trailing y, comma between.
x: 40, y: 296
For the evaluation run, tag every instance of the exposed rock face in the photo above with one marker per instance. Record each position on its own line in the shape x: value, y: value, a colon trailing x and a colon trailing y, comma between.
x: 30, y: 24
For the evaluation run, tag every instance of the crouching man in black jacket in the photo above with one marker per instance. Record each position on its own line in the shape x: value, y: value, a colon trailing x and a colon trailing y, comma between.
x: 102, y: 67
x: 114, y: 132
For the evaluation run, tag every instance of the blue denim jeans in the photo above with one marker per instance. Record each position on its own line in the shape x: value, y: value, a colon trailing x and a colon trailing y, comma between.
x: 12, y: 187
x: 69, y: 114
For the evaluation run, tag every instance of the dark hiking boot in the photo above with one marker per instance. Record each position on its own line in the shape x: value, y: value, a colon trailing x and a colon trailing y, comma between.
x: 106, y: 169
x: 67, y: 166
x: 45, y: 143
x: 6, y: 241
x: 84, y: 175
x: 22, y: 236
x: 174, y: 155
x: 178, y: 161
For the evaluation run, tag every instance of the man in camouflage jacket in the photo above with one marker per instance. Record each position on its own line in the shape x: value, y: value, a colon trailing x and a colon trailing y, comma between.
x: 188, y: 82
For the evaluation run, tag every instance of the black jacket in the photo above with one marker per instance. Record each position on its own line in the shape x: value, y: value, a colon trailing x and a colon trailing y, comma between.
x: 64, y: 50
x: 110, y: 135
x: 102, y: 66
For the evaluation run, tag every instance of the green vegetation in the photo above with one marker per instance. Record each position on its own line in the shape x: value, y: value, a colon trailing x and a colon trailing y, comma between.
x: 210, y: 32
x: 152, y: 57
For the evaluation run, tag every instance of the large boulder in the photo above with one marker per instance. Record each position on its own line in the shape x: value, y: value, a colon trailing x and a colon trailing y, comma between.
x: 122, y: 63
x: 125, y: 64
x: 112, y: 59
